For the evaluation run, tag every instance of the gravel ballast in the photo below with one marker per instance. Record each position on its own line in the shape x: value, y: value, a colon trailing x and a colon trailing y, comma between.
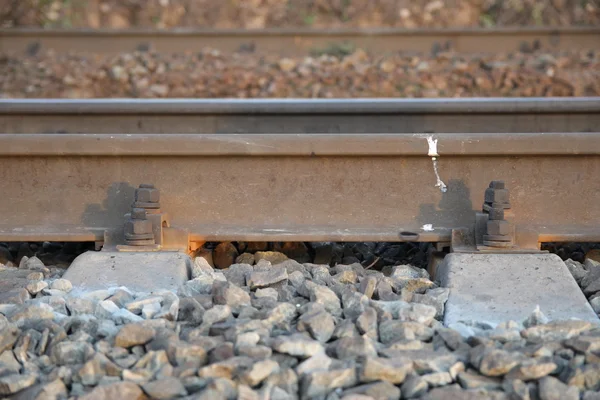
x: 307, y: 331
x: 209, y: 73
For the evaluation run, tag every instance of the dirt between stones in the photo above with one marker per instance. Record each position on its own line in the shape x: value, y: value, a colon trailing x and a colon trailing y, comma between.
x: 212, y: 74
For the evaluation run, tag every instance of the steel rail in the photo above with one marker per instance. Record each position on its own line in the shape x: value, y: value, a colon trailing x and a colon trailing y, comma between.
x: 298, y: 42
x: 134, y: 116
x: 298, y: 187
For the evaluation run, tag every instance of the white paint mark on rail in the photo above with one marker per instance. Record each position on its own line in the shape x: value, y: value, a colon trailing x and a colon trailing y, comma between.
x: 427, y: 227
x: 433, y: 153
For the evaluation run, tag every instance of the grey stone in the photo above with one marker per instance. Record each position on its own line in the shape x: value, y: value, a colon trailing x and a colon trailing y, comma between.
x: 366, y: 324
x: 226, y: 369
x: 516, y: 389
x: 347, y: 277
x: 434, y: 297
x: 497, y: 362
x: 531, y: 370
x: 426, y: 361
x: 437, y: 379
x: 35, y: 276
x: 197, y: 286
x: 35, y: 287
x: 216, y: 314
x: 592, y: 288
x: 105, y: 309
x: 354, y: 304
x: 321, y: 383
x: 319, y: 324
x: 123, y: 316
x: 318, y: 362
x: 245, y: 258
x: 91, y: 372
x: 296, y: 279
x: 326, y: 297
x: 454, y: 392
x: 472, y: 380
x: 27, y: 313
x: 551, y: 388
x: 589, y: 395
x: 201, y: 267
x: 239, y: 273
x: 282, y: 313
x: 8, y: 363
x: 166, y: 388
x: 262, y: 279
x: 557, y: 330
x: 14, y: 383
x: 134, y: 334
x: 354, y: 347
x: 274, y: 257
x: 413, y: 386
x: 257, y: 352
x: 231, y: 295
x: 190, y: 311
x: 595, y: 303
x: 96, y: 295
x: 119, y: 390
x: 79, y: 306
x: 321, y: 275
x: 297, y: 345
x: 368, y: 285
x: 15, y: 296
x: 67, y: 352
x: 378, y: 390
x: 393, y: 330
x: 267, y: 292
x: 452, y: 339
x: 584, y: 343
x: 345, y: 328
x: 136, y: 306
x: 383, y: 369
x: 576, y: 269
x: 259, y: 372
x: 32, y: 263
x: 62, y: 284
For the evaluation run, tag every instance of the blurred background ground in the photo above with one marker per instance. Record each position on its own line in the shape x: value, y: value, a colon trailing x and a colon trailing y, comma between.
x: 257, y: 14
x: 338, y: 72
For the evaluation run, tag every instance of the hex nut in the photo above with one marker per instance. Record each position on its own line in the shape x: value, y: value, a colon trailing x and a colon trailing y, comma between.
x: 496, y: 214
x: 147, y: 195
x: 497, y: 185
x: 496, y: 195
x: 138, y: 227
x: 495, y: 227
x: 138, y: 213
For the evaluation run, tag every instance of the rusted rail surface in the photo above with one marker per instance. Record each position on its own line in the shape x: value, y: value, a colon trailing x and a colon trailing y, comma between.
x: 298, y: 42
x: 473, y: 115
x: 347, y: 187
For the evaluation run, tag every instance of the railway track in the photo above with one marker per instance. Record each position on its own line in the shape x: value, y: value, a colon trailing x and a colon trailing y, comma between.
x: 298, y: 42
x: 349, y: 170
x: 467, y: 115
x: 157, y: 322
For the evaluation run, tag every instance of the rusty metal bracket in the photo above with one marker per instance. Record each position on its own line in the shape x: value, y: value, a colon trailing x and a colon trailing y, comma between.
x: 147, y: 227
x: 494, y: 230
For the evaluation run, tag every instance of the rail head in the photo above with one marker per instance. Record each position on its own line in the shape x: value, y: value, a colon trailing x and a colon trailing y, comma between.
x: 277, y: 32
x: 300, y: 145
x: 460, y: 106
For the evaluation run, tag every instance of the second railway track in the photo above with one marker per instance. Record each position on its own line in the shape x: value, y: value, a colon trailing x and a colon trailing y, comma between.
x: 300, y: 42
